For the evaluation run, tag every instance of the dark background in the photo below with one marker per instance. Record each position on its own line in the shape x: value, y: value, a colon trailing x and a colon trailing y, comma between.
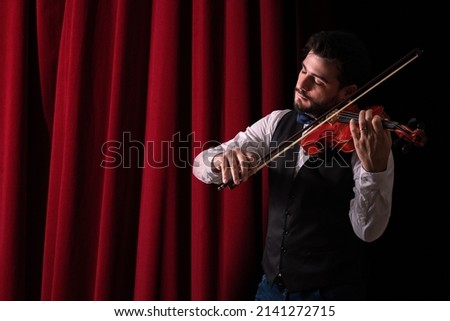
x: 410, y: 261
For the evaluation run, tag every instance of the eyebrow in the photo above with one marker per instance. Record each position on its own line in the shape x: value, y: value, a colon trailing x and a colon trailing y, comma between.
x: 315, y: 75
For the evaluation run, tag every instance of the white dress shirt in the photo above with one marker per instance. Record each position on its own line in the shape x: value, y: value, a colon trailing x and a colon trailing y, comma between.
x: 370, y: 208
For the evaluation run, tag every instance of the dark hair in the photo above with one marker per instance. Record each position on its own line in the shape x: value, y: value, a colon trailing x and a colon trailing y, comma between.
x: 344, y: 48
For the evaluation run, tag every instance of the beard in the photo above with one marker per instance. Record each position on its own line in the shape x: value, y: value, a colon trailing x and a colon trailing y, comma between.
x: 315, y: 109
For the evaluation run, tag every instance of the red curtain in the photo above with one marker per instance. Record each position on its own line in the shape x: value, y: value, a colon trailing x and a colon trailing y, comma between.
x: 104, y: 106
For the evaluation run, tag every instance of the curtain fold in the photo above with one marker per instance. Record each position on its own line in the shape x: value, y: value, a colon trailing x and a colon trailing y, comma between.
x: 14, y: 37
x: 207, y: 57
x: 158, y: 267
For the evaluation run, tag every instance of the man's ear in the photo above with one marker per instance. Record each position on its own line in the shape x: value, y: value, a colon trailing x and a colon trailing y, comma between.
x: 349, y: 90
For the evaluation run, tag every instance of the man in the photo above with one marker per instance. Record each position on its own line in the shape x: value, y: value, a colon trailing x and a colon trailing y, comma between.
x: 323, y: 207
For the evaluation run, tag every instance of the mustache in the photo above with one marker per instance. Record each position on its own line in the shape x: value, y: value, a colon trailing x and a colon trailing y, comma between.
x: 302, y: 92
x: 315, y: 108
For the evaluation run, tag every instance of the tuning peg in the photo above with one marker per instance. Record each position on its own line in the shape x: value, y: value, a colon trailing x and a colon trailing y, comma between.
x: 412, y: 123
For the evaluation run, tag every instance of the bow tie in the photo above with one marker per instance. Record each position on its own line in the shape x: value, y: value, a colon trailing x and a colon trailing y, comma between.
x: 303, y: 118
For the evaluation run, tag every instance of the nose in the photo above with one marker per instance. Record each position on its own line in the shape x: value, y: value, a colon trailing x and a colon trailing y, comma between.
x: 304, y: 82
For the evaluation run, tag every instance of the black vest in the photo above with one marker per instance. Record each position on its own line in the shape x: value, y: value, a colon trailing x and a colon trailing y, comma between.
x: 310, y: 239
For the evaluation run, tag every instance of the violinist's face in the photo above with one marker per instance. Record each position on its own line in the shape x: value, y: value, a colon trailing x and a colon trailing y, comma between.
x: 318, y: 89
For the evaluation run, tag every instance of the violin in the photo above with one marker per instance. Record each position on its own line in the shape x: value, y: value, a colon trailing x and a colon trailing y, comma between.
x: 335, y: 133
x: 335, y: 122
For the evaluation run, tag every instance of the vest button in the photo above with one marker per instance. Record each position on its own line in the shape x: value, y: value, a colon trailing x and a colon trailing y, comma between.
x: 286, y: 232
x: 283, y: 249
x: 286, y: 212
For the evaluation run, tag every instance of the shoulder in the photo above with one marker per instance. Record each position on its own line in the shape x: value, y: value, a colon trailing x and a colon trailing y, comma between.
x: 275, y: 116
x: 279, y: 113
x: 264, y: 127
x: 268, y: 123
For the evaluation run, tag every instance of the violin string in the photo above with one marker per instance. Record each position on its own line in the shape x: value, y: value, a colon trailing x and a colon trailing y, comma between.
x: 347, y: 116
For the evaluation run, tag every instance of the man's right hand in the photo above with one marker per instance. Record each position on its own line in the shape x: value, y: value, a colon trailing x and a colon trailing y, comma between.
x: 234, y: 164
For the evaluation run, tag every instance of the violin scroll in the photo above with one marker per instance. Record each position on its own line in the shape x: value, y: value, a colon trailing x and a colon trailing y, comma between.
x: 413, y: 134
